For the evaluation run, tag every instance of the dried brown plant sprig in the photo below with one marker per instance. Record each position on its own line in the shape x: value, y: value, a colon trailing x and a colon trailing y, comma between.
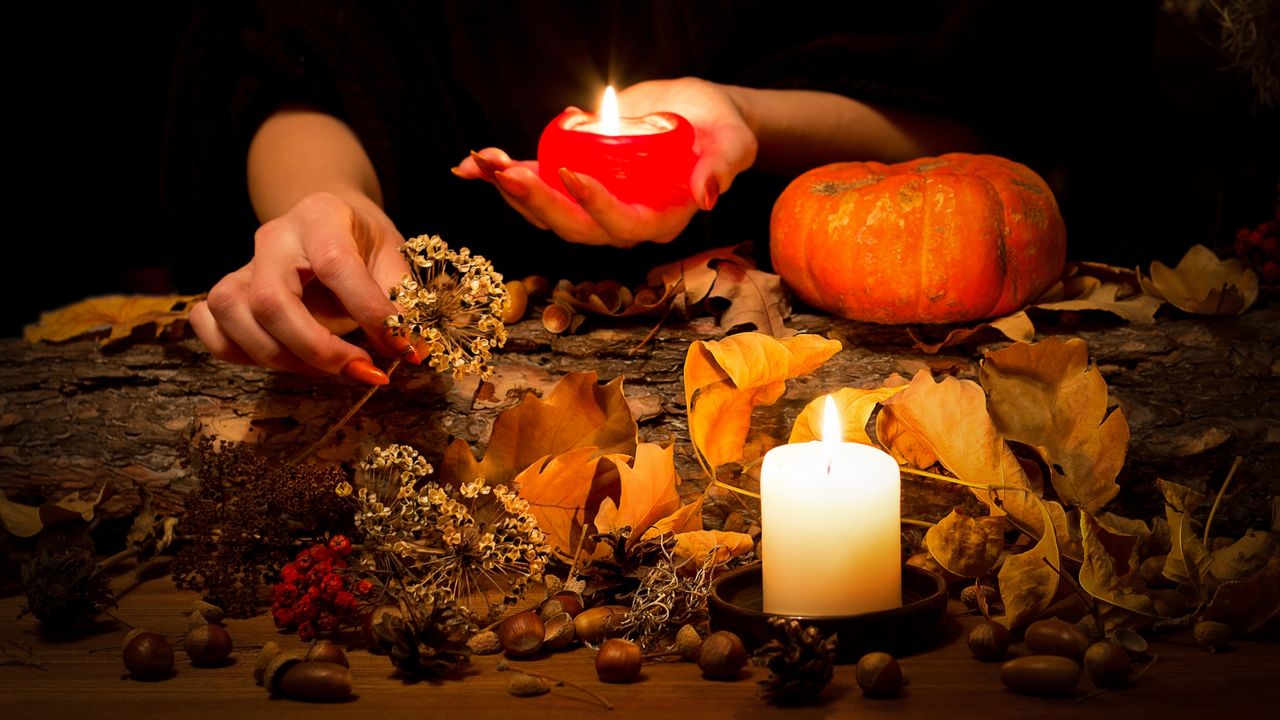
x: 471, y: 541
x: 452, y: 301
x: 668, y: 597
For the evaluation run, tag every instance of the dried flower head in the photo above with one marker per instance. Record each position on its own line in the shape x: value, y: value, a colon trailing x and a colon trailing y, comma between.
x: 453, y: 301
x: 421, y: 538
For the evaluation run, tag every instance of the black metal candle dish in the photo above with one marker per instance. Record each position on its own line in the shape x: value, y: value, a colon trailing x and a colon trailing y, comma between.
x: 737, y: 600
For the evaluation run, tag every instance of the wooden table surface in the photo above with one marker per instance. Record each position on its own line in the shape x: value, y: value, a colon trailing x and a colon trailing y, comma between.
x: 83, y: 679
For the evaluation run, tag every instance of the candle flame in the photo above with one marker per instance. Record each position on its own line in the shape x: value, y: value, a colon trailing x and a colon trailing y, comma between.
x: 832, y: 428
x: 610, y: 123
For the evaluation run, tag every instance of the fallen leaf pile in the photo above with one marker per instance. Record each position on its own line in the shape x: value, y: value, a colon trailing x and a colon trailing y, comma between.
x: 113, y: 318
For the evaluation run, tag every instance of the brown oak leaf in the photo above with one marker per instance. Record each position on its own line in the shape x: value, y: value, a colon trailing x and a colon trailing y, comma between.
x: 1048, y: 396
x: 698, y: 272
x: 557, y: 488
x: 725, y: 380
x: 648, y: 491
x: 1202, y: 284
x: 756, y: 300
x: 695, y: 546
x: 113, y: 318
x: 1249, y: 603
x: 1090, y: 293
x: 854, y: 406
x: 1027, y: 582
x: 1109, y: 572
x: 1017, y: 327
x: 966, y: 546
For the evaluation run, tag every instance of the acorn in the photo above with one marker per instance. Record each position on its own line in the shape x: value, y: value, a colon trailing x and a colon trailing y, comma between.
x: 147, y: 655
x: 559, y: 632
x: 1107, y: 665
x: 1056, y: 637
x: 1131, y: 641
x: 722, y: 655
x: 925, y: 561
x: 618, y: 661
x: 595, y: 624
x: 1212, y: 636
x: 559, y: 317
x: 880, y: 675
x: 522, y: 634
x: 314, y: 681
x: 536, y: 285
x: 210, y: 612
x: 326, y: 651
x: 517, y: 302
x: 1168, y: 603
x: 207, y: 645
x: 1040, y: 675
x: 989, y: 640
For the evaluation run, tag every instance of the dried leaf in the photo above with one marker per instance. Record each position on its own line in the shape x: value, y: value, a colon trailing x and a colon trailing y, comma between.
x: 150, y: 532
x: 648, y: 491
x: 725, y: 380
x: 1180, y: 497
x: 113, y: 316
x: 557, y: 489
x: 854, y: 405
x: 1187, y: 554
x: 1089, y: 293
x: 898, y: 440
x: 1016, y: 327
x: 1027, y: 582
x: 611, y: 299
x: 950, y: 418
x: 756, y: 300
x: 1109, y: 572
x: 695, y: 546
x: 688, y: 518
x: 1203, y: 284
x: 1248, y: 604
x: 28, y: 520
x: 578, y: 412
x: 1048, y: 396
x: 1244, y: 557
x: 964, y: 545
x: 699, y: 271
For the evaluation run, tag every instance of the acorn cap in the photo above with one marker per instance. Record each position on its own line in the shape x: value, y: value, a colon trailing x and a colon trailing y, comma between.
x: 275, y: 670
x: 268, y: 651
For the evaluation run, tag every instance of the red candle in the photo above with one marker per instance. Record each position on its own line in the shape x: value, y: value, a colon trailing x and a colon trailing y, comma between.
x: 645, y: 160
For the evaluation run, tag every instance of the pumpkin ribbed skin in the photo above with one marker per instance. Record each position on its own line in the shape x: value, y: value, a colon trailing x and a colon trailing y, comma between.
x: 934, y: 240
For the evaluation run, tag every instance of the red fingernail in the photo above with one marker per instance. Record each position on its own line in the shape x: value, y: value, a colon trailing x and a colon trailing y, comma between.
x: 415, y: 354
x: 400, y: 343
x: 362, y: 370
x: 712, y: 192
x: 512, y: 187
x: 573, y: 184
x: 486, y: 168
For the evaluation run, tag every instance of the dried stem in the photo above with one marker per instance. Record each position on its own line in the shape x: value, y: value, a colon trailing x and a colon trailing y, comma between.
x: 328, y: 435
x: 957, y: 481
x: 1217, y: 500
x: 1088, y: 602
x: 734, y: 488
x: 917, y: 523
x: 503, y: 666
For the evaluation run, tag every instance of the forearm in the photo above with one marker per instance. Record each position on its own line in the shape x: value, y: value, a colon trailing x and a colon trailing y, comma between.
x: 299, y: 152
x: 802, y: 129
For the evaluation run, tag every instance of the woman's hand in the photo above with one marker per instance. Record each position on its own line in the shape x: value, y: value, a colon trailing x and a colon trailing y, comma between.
x: 318, y: 271
x: 724, y: 143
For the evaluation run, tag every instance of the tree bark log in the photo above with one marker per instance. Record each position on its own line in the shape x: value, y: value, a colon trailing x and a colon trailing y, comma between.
x: 1196, y: 393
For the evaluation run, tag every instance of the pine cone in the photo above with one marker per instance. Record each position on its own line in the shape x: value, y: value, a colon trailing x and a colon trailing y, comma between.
x: 430, y: 641
x: 65, y: 589
x: 799, y: 661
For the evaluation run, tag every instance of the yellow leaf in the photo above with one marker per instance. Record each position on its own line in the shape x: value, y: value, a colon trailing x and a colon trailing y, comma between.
x: 578, y: 412
x: 1016, y: 327
x: 28, y: 520
x: 854, y: 405
x: 696, y: 546
x: 112, y: 316
x: 1203, y: 284
x: 688, y: 518
x: 1180, y: 497
x: 648, y: 491
x: 1249, y: 603
x: 1027, y: 583
x: 1048, y: 396
x: 966, y: 546
x: 725, y: 380
x: 1090, y: 293
x: 1243, y: 557
x: 557, y: 489
x: 1108, y: 572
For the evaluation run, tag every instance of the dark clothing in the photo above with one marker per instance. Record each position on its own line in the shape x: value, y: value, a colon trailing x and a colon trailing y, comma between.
x: 423, y: 83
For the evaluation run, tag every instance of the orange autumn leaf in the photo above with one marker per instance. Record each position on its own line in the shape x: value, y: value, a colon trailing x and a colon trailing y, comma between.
x: 1050, y: 397
x: 725, y: 380
x: 648, y: 491
x: 698, y: 545
x: 556, y: 488
x: 578, y: 412
x: 688, y: 518
x: 1109, y: 571
x: 1090, y: 293
x: 1203, y: 284
x: 854, y: 406
x: 112, y: 318
x: 1028, y: 583
x: 966, y: 546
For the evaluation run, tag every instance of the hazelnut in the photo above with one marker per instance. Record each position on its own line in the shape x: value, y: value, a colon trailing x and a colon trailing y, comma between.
x: 618, y: 661
x: 1056, y: 637
x: 325, y: 651
x: 207, y: 645
x: 316, y: 681
x: 595, y: 624
x: 1107, y: 665
x: 880, y: 675
x: 988, y: 640
x: 722, y: 655
x: 522, y: 634
x: 1040, y: 674
x: 1212, y: 636
x: 688, y: 642
x: 517, y: 302
x: 550, y: 608
x: 559, y: 632
x: 570, y: 601
x: 269, y: 650
x: 485, y: 643
x: 148, y: 656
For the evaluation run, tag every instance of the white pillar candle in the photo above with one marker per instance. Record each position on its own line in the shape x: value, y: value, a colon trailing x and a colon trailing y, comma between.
x: 830, y: 518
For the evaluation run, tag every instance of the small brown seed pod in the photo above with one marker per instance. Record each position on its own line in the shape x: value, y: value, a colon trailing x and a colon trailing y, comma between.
x: 570, y: 601
x: 988, y: 640
x: 536, y: 285
x: 148, y: 656
x: 969, y: 595
x: 557, y: 317
x: 618, y: 661
x: 1152, y: 571
x: 210, y: 612
x: 722, y: 655
x: 1056, y: 637
x: 1212, y: 636
x: 522, y: 634
x: 207, y: 645
x: 880, y: 675
x: 522, y: 685
x: 485, y: 643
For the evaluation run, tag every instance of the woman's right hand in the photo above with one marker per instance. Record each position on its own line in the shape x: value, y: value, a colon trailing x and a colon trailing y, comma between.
x: 318, y: 271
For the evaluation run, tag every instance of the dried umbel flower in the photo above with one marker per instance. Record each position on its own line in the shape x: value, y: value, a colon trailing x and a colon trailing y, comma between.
x: 452, y: 301
x: 471, y: 540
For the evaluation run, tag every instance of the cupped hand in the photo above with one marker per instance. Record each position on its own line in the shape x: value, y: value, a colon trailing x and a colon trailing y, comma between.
x: 318, y: 271
x: 723, y: 141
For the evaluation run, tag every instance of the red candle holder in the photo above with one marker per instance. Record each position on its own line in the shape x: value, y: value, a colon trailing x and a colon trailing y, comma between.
x: 649, y: 162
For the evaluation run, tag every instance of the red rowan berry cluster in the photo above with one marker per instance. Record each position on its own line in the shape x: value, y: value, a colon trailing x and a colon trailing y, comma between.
x: 314, y: 597
x: 1259, y: 247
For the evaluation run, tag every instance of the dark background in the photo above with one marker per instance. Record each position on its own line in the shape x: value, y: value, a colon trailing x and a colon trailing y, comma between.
x: 1175, y: 150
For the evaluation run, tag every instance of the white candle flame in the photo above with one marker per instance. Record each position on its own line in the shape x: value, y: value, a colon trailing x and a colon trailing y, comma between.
x: 832, y: 429
x: 610, y: 123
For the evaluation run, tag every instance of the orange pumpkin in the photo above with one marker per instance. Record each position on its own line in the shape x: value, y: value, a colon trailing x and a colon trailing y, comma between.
x: 934, y: 240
